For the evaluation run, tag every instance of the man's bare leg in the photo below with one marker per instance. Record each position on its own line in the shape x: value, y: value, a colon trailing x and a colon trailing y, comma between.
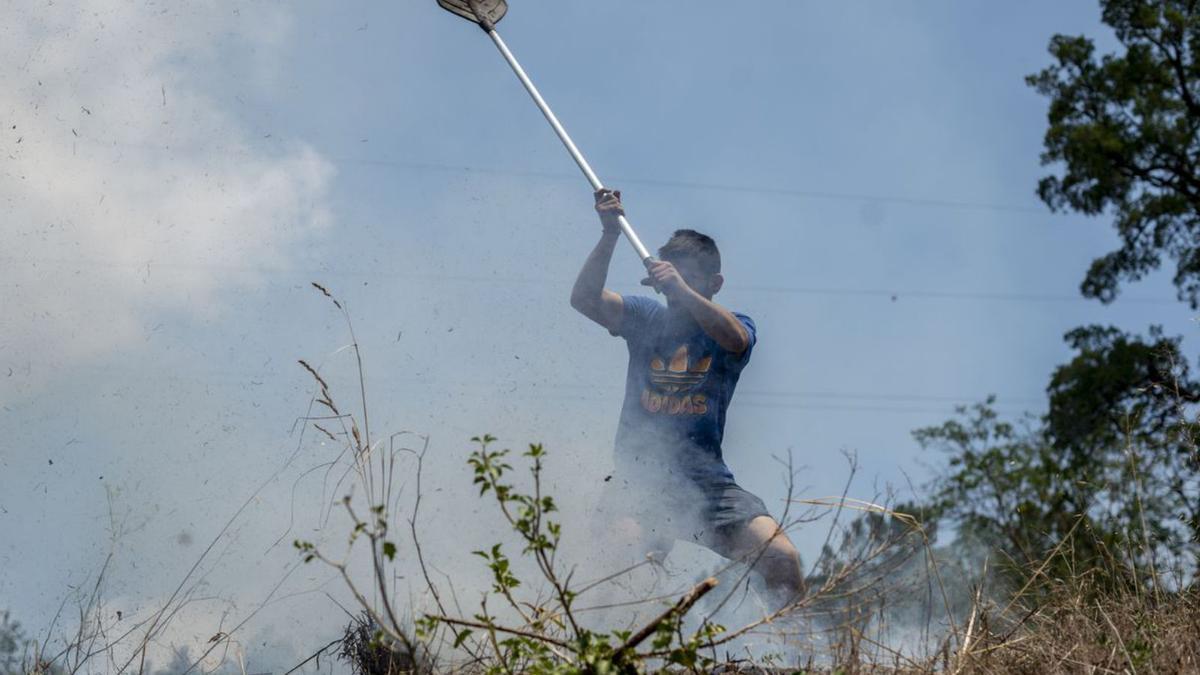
x: 637, y: 543
x: 624, y: 544
x: 764, y: 544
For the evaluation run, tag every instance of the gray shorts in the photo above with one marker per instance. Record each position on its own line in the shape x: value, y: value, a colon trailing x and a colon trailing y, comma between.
x: 707, y: 512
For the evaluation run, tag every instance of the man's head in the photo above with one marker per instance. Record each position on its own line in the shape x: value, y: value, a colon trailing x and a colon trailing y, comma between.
x: 697, y: 259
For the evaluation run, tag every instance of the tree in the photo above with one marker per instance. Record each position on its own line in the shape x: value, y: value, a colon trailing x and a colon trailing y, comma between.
x: 18, y: 653
x: 1111, y: 469
x: 12, y: 645
x: 1124, y: 402
x: 1125, y: 130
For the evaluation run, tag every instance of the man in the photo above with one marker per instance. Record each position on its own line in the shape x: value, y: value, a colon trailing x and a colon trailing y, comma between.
x: 671, y: 481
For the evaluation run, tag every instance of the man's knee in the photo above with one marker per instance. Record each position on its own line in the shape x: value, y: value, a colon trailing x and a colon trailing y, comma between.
x: 631, y: 537
x: 626, y: 529
x: 778, y: 562
x: 780, y: 568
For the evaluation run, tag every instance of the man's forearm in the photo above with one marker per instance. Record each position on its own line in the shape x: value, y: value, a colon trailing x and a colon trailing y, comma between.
x: 719, y: 323
x: 589, y: 285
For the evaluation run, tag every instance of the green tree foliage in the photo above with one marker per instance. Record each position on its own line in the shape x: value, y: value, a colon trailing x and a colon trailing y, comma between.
x: 1111, y: 470
x: 1124, y: 128
x: 19, y: 653
x: 12, y: 644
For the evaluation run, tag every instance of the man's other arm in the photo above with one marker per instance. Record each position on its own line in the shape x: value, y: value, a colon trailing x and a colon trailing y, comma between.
x: 589, y: 296
x: 719, y: 323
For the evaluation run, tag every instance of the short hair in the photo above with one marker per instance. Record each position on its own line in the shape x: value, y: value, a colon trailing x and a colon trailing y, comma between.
x: 694, y: 245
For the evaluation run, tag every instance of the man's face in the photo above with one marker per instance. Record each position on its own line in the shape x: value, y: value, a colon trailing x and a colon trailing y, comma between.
x: 700, y: 281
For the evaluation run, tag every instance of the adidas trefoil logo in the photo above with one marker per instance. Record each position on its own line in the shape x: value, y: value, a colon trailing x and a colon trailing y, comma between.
x: 678, y: 375
x: 671, y: 382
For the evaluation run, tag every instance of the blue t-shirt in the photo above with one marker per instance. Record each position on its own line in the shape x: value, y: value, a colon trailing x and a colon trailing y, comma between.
x: 677, y: 389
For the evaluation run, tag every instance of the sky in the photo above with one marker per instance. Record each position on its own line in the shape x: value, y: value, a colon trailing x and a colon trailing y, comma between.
x: 174, y: 177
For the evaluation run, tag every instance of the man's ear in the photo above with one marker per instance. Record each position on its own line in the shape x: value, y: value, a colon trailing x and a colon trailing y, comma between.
x: 716, y: 282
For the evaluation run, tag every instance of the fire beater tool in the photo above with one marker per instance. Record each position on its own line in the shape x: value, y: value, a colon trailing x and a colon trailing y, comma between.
x: 486, y: 14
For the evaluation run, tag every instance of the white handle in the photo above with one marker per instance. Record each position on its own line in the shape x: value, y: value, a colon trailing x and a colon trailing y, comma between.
x: 626, y: 228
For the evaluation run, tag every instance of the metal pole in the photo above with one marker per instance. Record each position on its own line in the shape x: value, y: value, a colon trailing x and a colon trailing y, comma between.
x: 586, y: 168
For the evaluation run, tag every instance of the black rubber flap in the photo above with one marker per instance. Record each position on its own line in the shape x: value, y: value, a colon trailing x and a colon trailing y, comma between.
x: 490, y: 10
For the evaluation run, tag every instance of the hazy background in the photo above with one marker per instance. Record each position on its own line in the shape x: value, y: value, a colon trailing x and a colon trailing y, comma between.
x: 172, y: 179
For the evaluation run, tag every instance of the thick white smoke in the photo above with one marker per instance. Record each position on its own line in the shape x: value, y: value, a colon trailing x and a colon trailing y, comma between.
x: 118, y: 161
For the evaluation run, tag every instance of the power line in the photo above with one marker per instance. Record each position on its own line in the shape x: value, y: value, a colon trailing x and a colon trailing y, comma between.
x: 739, y: 402
x: 851, y: 395
x: 683, y: 184
x: 762, y: 398
x: 841, y: 408
x: 699, y: 185
x: 960, y: 400
x: 893, y: 295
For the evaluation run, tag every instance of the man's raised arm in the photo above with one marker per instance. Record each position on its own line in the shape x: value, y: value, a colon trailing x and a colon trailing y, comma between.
x: 589, y: 297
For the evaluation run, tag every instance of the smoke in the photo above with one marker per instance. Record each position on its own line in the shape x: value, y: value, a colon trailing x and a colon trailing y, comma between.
x: 119, y: 162
x: 124, y: 158
x: 155, y: 258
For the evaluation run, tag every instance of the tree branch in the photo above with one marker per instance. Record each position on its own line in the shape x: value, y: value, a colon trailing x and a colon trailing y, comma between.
x: 511, y: 631
x: 685, y: 603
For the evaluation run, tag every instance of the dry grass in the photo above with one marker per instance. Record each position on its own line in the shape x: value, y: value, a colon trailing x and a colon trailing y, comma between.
x: 1074, y: 632
x: 1066, y: 635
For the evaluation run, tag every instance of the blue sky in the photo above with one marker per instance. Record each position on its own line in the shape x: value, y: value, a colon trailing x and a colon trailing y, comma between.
x: 175, y: 180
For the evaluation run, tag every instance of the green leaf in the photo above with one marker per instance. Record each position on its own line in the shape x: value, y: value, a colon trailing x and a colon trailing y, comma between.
x: 462, y: 637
